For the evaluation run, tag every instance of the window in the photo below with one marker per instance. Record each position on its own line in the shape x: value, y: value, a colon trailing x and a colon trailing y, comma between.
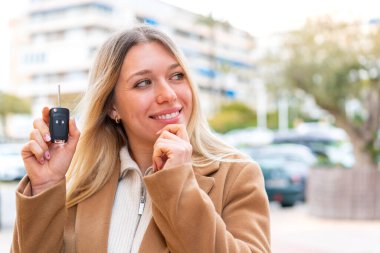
x: 34, y: 58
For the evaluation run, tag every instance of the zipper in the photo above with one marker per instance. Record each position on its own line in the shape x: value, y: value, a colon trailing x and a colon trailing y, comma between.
x: 142, y: 200
x: 142, y: 205
x: 143, y: 190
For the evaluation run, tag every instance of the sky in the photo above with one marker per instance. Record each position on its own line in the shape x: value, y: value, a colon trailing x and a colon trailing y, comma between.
x: 260, y: 18
x: 263, y: 18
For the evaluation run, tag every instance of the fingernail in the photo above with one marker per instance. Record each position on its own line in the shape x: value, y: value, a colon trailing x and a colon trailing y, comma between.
x: 47, y: 137
x: 47, y: 155
x: 74, y: 123
x: 42, y: 160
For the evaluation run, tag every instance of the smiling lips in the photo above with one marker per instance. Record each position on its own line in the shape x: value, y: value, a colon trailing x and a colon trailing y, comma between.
x: 167, y: 115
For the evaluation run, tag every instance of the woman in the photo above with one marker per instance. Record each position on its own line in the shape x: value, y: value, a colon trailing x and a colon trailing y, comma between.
x: 146, y: 174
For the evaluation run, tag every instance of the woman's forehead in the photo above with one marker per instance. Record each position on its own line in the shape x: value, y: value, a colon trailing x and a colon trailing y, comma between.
x: 149, y: 55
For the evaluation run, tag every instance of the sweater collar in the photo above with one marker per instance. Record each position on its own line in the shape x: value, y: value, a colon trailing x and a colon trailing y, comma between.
x: 127, y: 163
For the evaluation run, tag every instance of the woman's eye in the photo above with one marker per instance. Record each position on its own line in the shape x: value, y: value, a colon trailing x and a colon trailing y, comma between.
x: 143, y: 83
x: 178, y: 76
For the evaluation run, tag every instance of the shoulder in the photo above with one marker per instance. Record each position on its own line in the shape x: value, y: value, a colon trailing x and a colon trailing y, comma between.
x: 239, y: 163
x: 239, y: 169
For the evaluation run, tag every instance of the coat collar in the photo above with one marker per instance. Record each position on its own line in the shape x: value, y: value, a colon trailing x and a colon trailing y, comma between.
x: 94, y: 214
x: 208, y: 169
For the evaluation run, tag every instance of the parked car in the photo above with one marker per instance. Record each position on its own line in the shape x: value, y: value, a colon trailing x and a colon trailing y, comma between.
x: 248, y: 137
x: 329, y: 144
x: 294, y: 153
x: 11, y: 164
x: 280, y: 185
x: 294, y: 158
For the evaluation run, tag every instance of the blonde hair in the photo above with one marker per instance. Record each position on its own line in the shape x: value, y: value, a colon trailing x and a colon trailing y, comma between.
x: 97, y: 153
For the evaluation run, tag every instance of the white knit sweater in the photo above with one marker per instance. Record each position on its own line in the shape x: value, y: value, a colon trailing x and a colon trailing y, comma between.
x: 132, y: 211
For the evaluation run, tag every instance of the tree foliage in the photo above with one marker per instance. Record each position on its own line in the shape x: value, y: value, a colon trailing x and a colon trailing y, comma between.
x: 237, y: 115
x: 233, y: 116
x: 13, y: 104
x: 10, y: 104
x: 338, y: 63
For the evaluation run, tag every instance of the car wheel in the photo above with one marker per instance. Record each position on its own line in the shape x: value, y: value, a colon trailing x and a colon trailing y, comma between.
x: 287, y: 204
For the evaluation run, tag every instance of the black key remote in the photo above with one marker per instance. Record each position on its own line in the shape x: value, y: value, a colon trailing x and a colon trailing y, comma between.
x: 59, y: 122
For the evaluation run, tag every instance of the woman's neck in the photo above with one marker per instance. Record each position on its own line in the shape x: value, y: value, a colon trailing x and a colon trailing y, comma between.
x: 142, y: 155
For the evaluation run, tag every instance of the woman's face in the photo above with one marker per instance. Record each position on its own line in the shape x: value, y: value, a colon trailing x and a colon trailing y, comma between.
x: 152, y: 91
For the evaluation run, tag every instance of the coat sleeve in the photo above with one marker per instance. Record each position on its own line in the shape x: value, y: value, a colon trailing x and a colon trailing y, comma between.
x: 186, y: 215
x: 40, y: 219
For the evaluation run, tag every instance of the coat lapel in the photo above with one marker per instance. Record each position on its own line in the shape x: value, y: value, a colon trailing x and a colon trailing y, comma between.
x: 153, y: 239
x: 203, y: 176
x: 94, y: 217
x: 205, y: 183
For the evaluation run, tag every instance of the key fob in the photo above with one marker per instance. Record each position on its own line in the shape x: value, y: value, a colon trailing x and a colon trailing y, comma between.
x: 59, y: 124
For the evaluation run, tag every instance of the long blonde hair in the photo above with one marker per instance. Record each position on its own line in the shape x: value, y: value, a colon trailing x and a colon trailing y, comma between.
x: 97, y: 153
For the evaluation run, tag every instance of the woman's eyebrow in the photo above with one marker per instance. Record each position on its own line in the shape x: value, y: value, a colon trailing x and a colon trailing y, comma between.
x: 139, y: 73
x: 145, y: 71
x: 174, y: 65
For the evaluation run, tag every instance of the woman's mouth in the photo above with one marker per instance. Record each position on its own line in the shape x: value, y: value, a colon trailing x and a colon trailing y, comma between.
x: 168, y: 115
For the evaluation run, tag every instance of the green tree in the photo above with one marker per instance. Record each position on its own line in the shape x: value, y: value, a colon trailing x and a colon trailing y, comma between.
x: 11, y: 104
x: 337, y: 63
x: 231, y: 116
x: 237, y: 115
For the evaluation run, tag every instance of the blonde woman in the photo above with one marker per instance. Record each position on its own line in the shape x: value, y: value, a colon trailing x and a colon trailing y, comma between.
x: 145, y: 174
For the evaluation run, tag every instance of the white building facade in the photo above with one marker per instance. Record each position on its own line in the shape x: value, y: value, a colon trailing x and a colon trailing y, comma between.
x: 55, y: 43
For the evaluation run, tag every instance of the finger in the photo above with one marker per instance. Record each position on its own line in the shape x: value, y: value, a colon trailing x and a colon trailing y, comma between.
x: 160, y: 154
x: 46, y: 115
x: 160, y: 148
x: 26, y: 152
x: 173, y: 128
x: 170, y: 146
x: 164, y: 144
x: 170, y: 136
x: 177, y: 129
x: 170, y: 152
x: 43, y: 128
x: 37, y: 151
x: 37, y: 137
x: 157, y: 161
x: 157, y: 164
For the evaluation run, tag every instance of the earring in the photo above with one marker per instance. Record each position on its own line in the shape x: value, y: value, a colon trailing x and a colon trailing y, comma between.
x: 117, y: 120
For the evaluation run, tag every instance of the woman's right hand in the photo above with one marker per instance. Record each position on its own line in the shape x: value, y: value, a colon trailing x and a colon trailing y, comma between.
x: 46, y: 163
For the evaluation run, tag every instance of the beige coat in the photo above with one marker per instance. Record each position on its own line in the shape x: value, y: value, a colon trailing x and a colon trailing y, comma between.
x: 220, y: 208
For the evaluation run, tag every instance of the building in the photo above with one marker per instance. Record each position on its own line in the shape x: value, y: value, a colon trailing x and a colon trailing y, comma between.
x: 55, y: 43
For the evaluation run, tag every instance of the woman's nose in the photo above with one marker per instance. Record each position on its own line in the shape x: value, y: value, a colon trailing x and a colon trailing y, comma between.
x: 165, y: 93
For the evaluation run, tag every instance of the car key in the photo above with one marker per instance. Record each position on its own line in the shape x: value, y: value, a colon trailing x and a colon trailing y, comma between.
x: 59, y: 122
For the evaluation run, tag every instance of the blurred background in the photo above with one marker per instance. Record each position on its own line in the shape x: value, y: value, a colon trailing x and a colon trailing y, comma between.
x: 293, y: 84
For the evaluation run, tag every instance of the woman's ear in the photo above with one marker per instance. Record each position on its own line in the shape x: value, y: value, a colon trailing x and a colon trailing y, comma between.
x: 112, y: 113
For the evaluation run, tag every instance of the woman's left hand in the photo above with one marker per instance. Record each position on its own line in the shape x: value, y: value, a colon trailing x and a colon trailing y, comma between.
x: 172, y: 147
